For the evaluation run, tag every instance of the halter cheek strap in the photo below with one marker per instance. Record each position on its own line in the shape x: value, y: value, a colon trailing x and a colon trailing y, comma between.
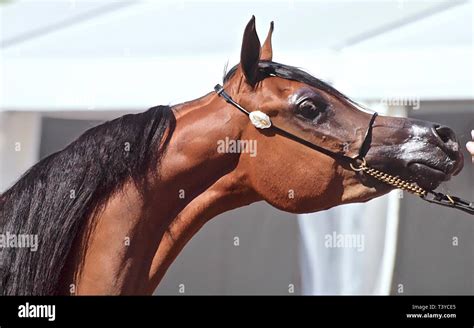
x: 364, y: 148
x: 262, y: 121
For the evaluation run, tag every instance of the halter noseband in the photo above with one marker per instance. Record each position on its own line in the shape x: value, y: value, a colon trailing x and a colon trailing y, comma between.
x: 357, y: 163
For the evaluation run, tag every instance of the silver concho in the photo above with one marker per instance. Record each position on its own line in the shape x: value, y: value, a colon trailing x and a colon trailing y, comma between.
x: 260, y: 119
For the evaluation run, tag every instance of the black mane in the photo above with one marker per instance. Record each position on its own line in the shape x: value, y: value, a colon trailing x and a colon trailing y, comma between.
x: 270, y: 68
x: 54, y: 198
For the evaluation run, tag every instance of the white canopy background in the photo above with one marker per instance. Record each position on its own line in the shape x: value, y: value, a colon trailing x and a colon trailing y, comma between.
x: 63, y: 53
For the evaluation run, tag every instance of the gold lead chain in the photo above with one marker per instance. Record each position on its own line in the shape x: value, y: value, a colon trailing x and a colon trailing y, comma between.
x: 390, y: 179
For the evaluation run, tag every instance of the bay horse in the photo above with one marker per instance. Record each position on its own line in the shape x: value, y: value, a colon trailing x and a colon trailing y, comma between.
x: 115, y: 207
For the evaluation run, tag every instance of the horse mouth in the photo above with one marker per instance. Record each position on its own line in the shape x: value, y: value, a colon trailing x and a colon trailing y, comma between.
x: 427, y: 176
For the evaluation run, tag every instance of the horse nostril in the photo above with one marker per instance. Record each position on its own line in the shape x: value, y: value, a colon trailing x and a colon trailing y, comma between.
x: 445, y: 134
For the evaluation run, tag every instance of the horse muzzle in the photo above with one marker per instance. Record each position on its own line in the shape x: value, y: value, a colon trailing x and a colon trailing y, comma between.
x: 423, y: 152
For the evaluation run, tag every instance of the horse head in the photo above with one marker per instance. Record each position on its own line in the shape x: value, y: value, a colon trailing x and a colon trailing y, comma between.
x: 294, y: 177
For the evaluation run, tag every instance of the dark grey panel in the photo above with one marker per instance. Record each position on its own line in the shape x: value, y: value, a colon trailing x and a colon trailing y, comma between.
x: 265, y: 262
x: 58, y: 133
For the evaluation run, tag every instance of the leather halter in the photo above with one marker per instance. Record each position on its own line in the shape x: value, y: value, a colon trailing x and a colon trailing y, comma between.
x: 358, y: 163
x: 364, y: 148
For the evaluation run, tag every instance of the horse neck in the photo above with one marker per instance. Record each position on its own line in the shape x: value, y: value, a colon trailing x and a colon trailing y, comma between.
x: 197, y: 182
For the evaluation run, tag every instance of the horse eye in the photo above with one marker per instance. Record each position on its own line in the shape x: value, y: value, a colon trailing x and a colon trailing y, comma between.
x: 308, y: 109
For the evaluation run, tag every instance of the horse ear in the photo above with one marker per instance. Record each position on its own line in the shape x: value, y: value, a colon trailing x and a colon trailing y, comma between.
x: 267, y: 52
x: 250, y: 53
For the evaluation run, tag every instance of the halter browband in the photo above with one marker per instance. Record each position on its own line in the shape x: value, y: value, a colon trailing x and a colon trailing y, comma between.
x: 357, y: 163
